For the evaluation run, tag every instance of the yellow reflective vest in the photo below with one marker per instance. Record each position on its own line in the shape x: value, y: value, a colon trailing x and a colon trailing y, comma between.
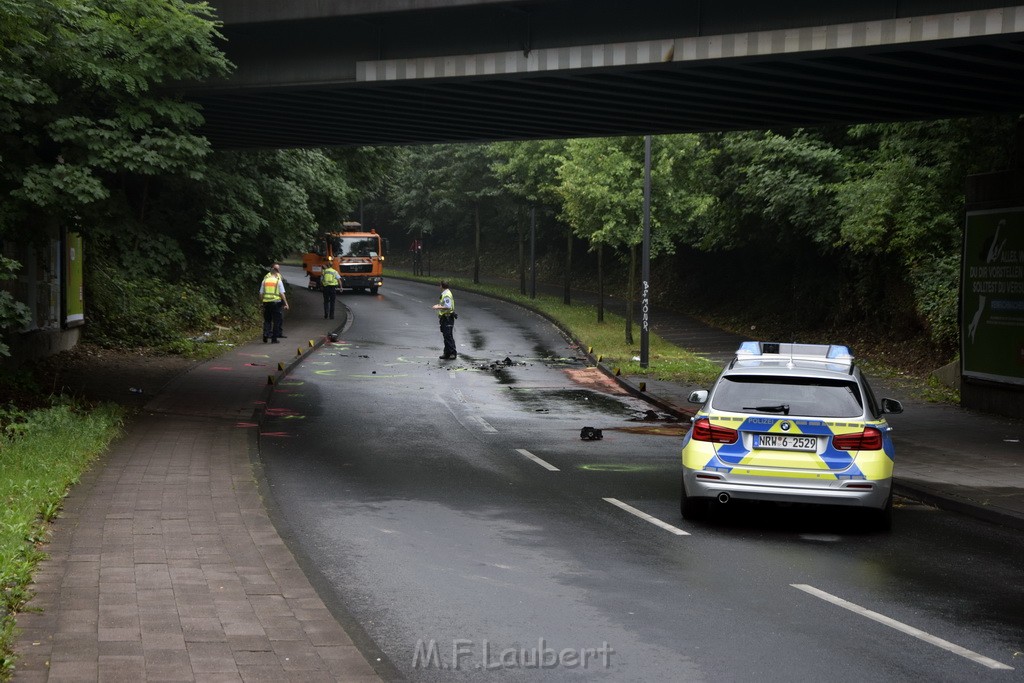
x: 329, y: 277
x: 270, y: 292
x: 446, y: 294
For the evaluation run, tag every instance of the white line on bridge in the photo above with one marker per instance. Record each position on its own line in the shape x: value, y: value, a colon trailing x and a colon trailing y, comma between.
x: 646, y: 517
x: 900, y: 626
x: 531, y: 456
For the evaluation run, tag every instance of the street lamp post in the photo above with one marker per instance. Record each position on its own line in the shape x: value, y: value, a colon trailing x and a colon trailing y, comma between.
x: 645, y: 261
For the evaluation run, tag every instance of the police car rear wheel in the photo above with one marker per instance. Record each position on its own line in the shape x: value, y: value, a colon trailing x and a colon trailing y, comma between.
x: 692, y: 509
x: 881, y: 520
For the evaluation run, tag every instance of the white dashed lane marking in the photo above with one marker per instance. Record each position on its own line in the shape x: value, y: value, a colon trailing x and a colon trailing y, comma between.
x: 542, y: 463
x: 900, y: 626
x: 646, y: 517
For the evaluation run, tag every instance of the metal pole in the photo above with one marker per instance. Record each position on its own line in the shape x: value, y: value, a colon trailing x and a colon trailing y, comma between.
x: 533, y: 250
x: 645, y: 261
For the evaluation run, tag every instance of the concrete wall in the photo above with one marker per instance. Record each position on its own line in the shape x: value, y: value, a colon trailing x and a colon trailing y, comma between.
x: 29, y: 346
x: 40, y: 284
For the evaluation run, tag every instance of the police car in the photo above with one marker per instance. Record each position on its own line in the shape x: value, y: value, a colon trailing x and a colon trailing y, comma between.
x: 790, y: 423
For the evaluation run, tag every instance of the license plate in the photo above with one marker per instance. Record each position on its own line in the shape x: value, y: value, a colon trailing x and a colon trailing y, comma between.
x: 786, y: 442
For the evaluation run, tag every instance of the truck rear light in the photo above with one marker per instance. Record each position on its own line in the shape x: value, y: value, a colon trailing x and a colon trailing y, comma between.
x: 868, y: 440
x: 703, y: 430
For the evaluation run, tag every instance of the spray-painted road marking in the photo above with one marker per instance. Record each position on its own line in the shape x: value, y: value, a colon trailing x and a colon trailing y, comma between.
x: 531, y: 456
x: 900, y: 626
x: 646, y: 517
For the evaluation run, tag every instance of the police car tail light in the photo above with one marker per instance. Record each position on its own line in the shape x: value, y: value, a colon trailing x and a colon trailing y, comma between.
x: 703, y: 430
x: 868, y: 440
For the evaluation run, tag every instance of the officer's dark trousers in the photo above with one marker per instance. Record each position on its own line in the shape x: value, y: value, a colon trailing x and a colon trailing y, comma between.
x: 330, y: 293
x: 273, y: 319
x: 448, y: 332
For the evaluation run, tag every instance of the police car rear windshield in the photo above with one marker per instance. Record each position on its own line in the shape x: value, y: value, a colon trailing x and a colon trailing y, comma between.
x: 792, y: 396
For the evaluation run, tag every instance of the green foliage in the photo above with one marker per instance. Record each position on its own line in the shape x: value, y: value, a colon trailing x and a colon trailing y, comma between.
x: 79, y: 85
x: 437, y: 190
x: 126, y: 310
x: 13, y: 314
x: 767, y: 189
x: 369, y: 170
x: 529, y: 170
x: 202, y: 245
x: 601, y: 190
x: 936, y: 285
x: 846, y: 225
x: 41, y: 455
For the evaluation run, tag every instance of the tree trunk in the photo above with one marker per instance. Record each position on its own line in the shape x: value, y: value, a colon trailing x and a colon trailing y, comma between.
x: 522, y: 259
x: 631, y: 295
x: 476, y: 260
x: 568, y: 267
x: 600, y: 283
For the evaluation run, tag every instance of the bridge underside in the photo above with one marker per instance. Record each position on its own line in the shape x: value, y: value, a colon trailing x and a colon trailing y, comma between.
x: 965, y: 65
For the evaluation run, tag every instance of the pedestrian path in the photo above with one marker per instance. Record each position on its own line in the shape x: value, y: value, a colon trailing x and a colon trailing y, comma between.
x: 165, y: 564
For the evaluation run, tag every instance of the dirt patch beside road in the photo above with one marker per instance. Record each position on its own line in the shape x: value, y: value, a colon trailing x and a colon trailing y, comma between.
x: 96, y: 374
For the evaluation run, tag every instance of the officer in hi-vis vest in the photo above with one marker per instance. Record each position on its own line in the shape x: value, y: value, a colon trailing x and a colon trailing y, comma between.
x: 330, y: 279
x: 445, y: 308
x: 274, y: 304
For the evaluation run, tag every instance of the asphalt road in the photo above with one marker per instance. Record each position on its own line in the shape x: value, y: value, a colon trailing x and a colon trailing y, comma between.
x: 453, y: 518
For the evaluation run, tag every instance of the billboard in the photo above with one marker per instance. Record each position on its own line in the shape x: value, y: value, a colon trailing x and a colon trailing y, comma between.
x: 992, y: 296
x: 73, y: 295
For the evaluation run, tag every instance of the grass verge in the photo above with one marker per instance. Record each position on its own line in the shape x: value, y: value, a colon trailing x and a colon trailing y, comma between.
x: 42, y: 453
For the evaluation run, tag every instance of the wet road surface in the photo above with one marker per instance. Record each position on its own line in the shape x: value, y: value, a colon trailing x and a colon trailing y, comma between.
x: 453, y: 517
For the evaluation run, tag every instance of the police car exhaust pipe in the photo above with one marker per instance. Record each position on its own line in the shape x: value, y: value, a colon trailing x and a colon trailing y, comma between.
x: 723, y: 497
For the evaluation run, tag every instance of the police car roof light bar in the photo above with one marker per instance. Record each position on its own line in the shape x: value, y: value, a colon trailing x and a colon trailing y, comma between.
x: 833, y: 353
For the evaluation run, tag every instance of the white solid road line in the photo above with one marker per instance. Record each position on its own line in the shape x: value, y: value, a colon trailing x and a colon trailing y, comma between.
x: 900, y: 626
x: 646, y: 517
x: 531, y: 456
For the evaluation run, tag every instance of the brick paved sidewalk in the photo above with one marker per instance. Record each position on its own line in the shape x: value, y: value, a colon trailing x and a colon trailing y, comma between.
x: 165, y: 566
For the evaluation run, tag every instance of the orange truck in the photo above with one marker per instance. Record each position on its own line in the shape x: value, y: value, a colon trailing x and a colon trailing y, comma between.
x: 357, y: 255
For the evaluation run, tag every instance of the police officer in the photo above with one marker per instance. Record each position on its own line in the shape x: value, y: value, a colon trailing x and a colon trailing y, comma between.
x: 329, y: 281
x: 445, y: 308
x: 274, y: 304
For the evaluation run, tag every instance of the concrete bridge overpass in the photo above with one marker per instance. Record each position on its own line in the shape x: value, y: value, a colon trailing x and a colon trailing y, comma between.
x: 357, y: 72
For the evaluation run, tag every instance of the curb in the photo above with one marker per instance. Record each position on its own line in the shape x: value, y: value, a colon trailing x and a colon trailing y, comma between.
x: 946, y: 501
x: 367, y: 648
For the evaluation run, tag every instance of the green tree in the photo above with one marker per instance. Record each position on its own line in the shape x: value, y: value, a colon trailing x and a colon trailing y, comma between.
x: 768, y: 188
x: 86, y: 104
x: 450, y: 192
x: 601, y: 187
x: 13, y: 314
x: 902, y: 205
x: 527, y: 171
